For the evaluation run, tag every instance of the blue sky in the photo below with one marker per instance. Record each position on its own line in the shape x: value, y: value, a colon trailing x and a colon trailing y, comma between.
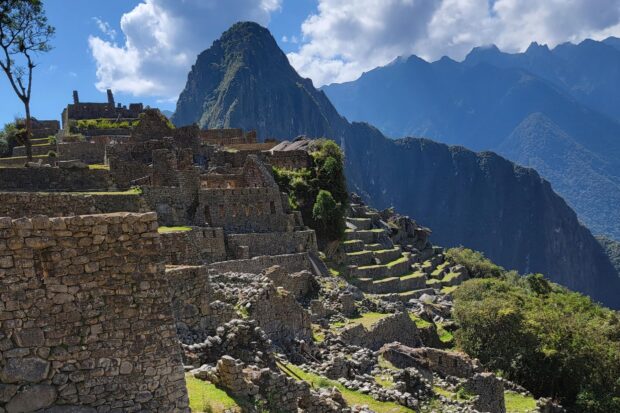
x: 71, y: 66
x: 143, y: 49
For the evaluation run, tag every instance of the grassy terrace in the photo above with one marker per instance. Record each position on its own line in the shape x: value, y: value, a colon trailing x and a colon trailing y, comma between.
x: 352, y: 397
x: 366, y: 320
x: 388, y: 265
x: 515, y: 403
x: 166, y: 230
x: 132, y: 191
x: 205, y: 397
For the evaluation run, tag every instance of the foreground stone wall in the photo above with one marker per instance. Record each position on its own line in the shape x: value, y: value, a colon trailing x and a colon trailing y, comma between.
x: 194, y: 247
x: 85, y: 316
x: 28, y: 204
x: 54, y: 179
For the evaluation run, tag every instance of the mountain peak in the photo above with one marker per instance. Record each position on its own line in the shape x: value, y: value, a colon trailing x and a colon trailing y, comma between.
x: 482, y: 53
x: 538, y: 48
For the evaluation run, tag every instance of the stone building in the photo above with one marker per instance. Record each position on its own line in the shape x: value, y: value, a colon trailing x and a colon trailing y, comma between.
x: 99, y: 110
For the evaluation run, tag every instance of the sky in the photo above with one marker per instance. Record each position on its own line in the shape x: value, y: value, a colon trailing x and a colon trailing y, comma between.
x: 143, y: 49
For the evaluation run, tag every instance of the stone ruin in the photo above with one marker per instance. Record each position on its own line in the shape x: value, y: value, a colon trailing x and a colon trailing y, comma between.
x: 110, y: 294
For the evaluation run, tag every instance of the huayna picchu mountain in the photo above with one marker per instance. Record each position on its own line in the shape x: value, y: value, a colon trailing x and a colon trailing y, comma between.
x: 479, y: 200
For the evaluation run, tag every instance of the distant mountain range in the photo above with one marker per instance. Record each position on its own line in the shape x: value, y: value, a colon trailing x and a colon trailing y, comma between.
x: 479, y: 200
x: 557, y: 111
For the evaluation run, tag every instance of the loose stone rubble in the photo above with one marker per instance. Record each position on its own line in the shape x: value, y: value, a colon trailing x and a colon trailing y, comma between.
x: 109, y: 294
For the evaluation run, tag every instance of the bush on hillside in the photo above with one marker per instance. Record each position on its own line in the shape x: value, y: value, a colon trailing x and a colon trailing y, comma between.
x: 476, y: 263
x: 319, y: 192
x: 554, y: 342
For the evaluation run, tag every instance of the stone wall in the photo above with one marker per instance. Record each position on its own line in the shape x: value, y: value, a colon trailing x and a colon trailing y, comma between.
x: 272, y: 243
x: 54, y: 179
x: 224, y: 137
x: 194, y: 303
x: 37, y: 150
x: 397, y: 327
x: 291, y: 263
x: 295, y: 159
x: 198, y: 246
x: 28, y: 204
x: 443, y: 362
x: 85, y: 316
x: 245, y: 210
x: 87, y: 152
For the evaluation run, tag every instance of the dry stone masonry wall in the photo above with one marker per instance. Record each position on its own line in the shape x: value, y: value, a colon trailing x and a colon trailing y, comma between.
x: 85, y: 316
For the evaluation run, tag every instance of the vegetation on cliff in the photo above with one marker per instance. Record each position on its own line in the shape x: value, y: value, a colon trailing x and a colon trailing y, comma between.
x: 319, y: 192
x: 554, y: 342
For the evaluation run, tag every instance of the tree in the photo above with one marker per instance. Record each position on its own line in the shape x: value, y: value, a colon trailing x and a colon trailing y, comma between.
x: 24, y: 32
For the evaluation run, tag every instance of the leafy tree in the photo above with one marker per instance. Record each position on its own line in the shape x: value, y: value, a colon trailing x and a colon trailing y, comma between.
x: 554, y: 342
x: 476, y: 263
x: 327, y: 215
x: 4, y: 147
x: 324, y: 212
x: 24, y: 32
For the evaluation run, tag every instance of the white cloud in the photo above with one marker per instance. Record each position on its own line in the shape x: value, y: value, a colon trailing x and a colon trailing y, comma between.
x: 105, y: 28
x: 343, y: 39
x: 162, y: 40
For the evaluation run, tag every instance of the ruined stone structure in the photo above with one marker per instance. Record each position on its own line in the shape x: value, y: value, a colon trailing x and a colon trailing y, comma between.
x: 226, y: 137
x: 85, y: 318
x: 106, y: 110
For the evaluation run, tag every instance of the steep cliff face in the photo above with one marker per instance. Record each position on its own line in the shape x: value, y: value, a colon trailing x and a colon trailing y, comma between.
x: 478, y: 200
x: 245, y: 80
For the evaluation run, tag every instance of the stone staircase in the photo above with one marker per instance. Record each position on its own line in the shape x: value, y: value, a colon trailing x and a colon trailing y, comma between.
x: 378, y: 266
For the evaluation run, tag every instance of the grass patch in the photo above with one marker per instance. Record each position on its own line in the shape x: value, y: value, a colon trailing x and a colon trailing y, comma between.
x: 449, y: 290
x: 383, y: 363
x: 204, y: 396
x: 516, y: 403
x: 367, y: 320
x: 99, y: 166
x: 132, y: 191
x: 444, y: 335
x: 318, y: 335
x: 352, y: 397
x: 396, y: 262
x: 385, y: 380
x: 166, y: 230
x: 419, y: 321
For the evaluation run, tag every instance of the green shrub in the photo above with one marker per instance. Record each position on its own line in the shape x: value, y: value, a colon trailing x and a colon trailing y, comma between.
x: 554, y: 342
x: 319, y: 192
x: 328, y: 217
x: 4, y: 147
x: 476, y: 263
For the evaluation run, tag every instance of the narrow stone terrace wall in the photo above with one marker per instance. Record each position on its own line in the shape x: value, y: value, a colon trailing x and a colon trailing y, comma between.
x: 194, y: 247
x: 272, y: 243
x: 290, y: 262
x: 85, y: 316
x: 54, y: 179
x: 28, y: 204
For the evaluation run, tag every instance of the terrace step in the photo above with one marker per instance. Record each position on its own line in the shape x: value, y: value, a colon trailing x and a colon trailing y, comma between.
x: 360, y: 258
x: 407, y: 295
x: 369, y: 236
x: 353, y: 245
x: 395, y: 268
x: 388, y: 255
x: 360, y: 223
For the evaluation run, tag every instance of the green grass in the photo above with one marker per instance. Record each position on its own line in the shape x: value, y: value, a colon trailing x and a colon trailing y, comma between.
x: 419, y: 322
x: 132, y: 191
x: 352, y: 397
x: 367, y: 320
x: 206, y: 397
x: 449, y: 290
x: 383, y: 363
x: 317, y: 333
x: 99, y: 166
x: 396, y: 262
x: 166, y: 230
x: 515, y: 403
x: 444, y: 335
x: 350, y: 254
